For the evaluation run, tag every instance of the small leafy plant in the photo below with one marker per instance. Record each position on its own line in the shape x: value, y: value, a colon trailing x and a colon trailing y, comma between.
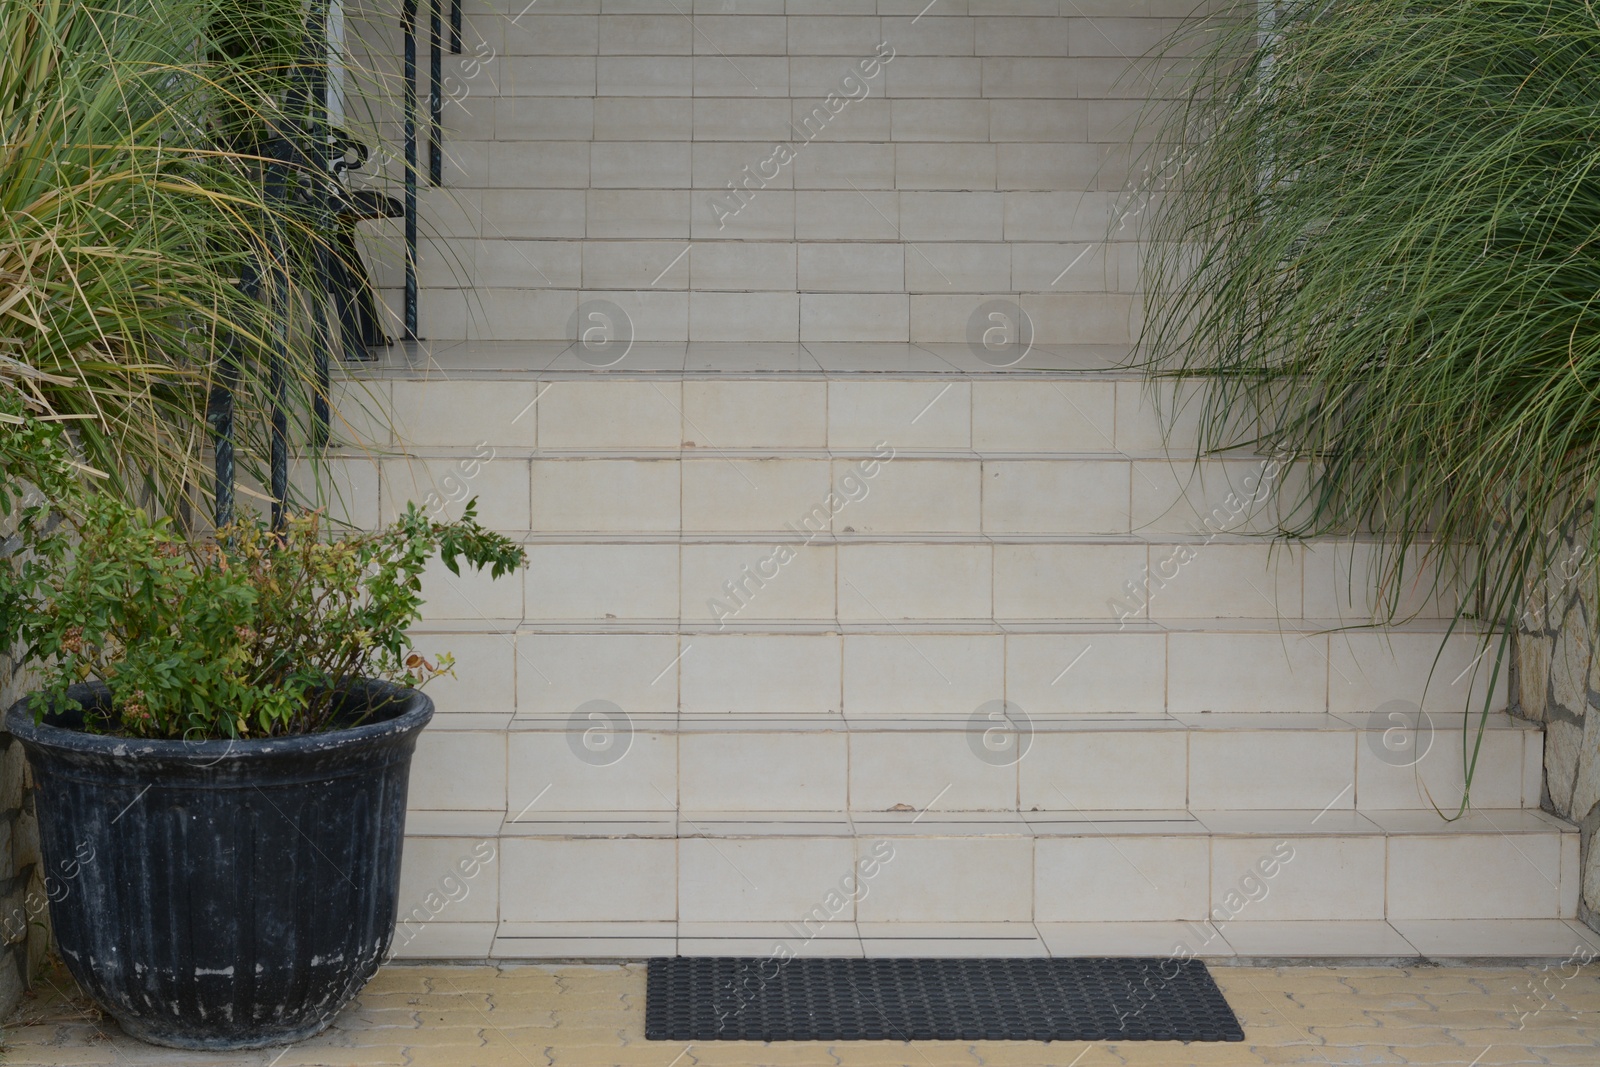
x: 253, y: 634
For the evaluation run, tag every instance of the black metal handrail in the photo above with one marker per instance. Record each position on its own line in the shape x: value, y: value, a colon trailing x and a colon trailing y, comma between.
x: 299, y: 178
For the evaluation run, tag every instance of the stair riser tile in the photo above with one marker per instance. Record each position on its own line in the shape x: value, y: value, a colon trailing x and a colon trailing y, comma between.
x: 1416, y: 769
x: 501, y: 414
x: 1043, y: 416
x: 775, y: 415
x: 779, y: 675
x: 1217, y: 497
x: 557, y: 673
x: 950, y: 770
x: 908, y: 496
x: 631, y: 880
x: 1326, y: 877
x: 1267, y: 769
x: 1122, y: 879
x: 459, y: 770
x: 1069, y: 581
x: 911, y: 415
x: 445, y: 881
x: 1369, y: 671
x: 1128, y: 770
x: 443, y: 487
x: 993, y: 417
x: 1210, y: 581
x: 887, y: 582
x: 472, y: 595
x: 1473, y: 876
x: 732, y: 495
x: 1216, y: 672
x: 599, y: 763
x: 1096, y: 674
x: 1339, y: 584
x: 596, y: 582
x: 780, y: 772
x: 949, y: 880
x: 731, y: 584
x: 611, y: 415
x: 921, y: 674
x: 485, y: 680
x: 1055, y: 496
x: 785, y: 880
x: 629, y: 496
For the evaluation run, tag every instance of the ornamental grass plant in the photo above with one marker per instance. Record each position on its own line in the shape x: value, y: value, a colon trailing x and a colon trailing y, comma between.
x: 1376, y: 251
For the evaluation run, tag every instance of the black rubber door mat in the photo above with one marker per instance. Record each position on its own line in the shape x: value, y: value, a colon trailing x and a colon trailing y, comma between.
x: 765, y: 999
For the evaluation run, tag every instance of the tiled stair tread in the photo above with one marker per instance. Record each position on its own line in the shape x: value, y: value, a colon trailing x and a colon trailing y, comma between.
x: 686, y: 723
x: 1506, y: 822
x: 1241, y: 940
x: 955, y: 627
x: 1155, y: 541
x: 728, y: 360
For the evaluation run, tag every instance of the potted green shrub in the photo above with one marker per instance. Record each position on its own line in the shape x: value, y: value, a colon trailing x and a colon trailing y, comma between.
x: 220, y: 745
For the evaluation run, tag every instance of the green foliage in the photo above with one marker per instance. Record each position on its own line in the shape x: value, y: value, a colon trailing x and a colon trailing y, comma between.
x: 1377, y: 254
x: 250, y: 635
x: 131, y: 203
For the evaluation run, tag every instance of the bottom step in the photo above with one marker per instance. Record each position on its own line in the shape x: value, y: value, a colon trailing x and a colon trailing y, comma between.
x: 1381, y: 885
x: 1241, y: 942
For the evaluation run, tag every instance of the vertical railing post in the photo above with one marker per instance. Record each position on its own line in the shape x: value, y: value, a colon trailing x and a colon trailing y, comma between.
x: 315, y: 172
x: 455, y: 27
x: 408, y: 25
x: 435, y: 97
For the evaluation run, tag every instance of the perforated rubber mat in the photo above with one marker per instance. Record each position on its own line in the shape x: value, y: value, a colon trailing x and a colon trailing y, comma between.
x: 765, y: 999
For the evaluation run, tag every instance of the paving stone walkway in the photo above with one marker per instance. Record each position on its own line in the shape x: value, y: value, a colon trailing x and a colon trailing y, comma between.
x: 593, y: 1015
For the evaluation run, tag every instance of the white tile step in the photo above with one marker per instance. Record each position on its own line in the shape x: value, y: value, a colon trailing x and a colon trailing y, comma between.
x: 1496, y: 941
x: 461, y: 360
x: 1430, y: 880
x: 1041, y: 767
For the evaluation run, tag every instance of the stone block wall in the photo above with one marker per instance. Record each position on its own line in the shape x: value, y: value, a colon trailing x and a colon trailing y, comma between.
x: 24, y: 910
x: 1557, y: 682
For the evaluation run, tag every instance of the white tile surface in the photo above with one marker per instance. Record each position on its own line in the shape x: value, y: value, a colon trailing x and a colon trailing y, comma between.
x: 1097, y: 674
x: 1476, y: 876
x: 1104, y: 770
x: 764, y: 771
x: 1170, y: 939
x: 1309, y: 769
x: 588, y: 881
x: 1315, y: 878
x: 766, y: 674
x: 917, y: 674
x: 909, y: 581
x: 459, y: 769
x: 903, y: 768
x: 596, y: 582
x: 558, y: 672
x: 783, y: 880
x: 1496, y: 937
x: 599, y: 761
x: 951, y: 880
x: 1246, y: 672
x: 1109, y: 878
x: 1358, y: 938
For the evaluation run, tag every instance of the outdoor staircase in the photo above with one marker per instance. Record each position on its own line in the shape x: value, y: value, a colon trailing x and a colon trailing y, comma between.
x: 1025, y: 683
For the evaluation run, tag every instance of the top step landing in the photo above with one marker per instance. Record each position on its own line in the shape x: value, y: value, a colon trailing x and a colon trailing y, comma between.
x: 656, y: 360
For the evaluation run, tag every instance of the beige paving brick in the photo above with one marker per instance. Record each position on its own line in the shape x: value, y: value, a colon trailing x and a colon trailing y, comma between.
x: 1022, y: 1054
x: 743, y: 1053
x: 489, y: 1056
x: 542, y: 1016
x: 1225, y: 1054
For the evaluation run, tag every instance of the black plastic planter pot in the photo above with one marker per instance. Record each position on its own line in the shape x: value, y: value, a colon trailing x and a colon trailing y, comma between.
x: 224, y: 894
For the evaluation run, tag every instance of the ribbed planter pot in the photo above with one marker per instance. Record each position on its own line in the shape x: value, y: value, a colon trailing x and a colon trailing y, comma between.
x: 223, y: 894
